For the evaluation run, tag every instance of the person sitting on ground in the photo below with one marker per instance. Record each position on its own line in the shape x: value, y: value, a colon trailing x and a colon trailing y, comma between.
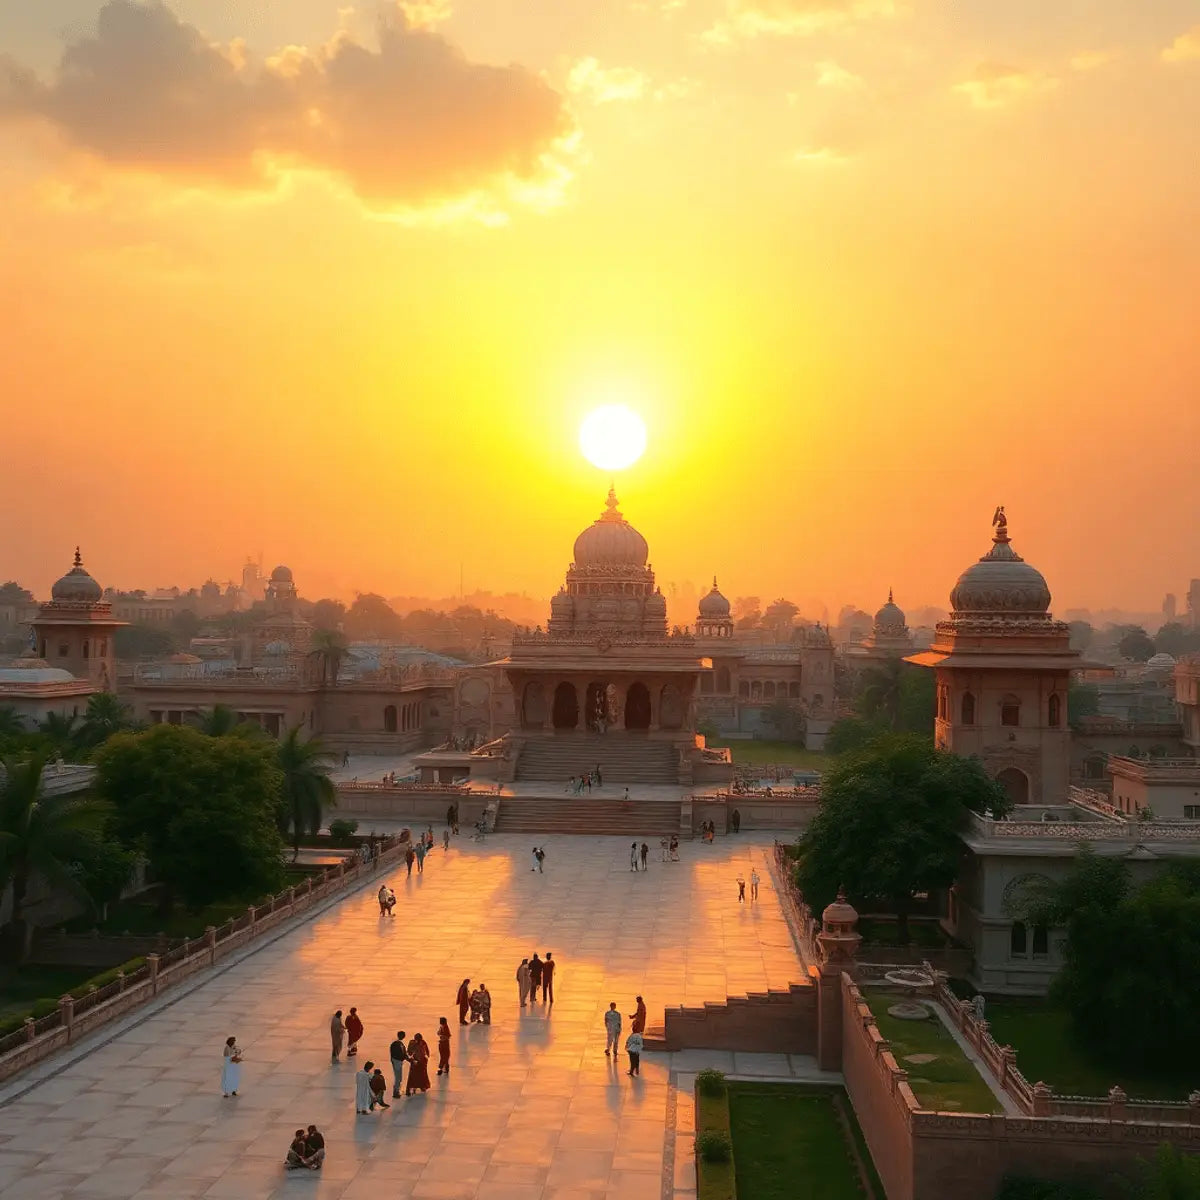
x: 315, y: 1141
x: 297, y: 1155
x: 379, y: 1089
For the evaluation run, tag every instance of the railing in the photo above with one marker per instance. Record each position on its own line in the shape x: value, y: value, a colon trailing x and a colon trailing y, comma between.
x: 1130, y: 832
x: 538, y: 637
x: 76, y: 1018
x: 449, y: 789
x: 802, y: 795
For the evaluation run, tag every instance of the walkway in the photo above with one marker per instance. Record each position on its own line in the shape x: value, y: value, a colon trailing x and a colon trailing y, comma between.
x: 533, y: 1110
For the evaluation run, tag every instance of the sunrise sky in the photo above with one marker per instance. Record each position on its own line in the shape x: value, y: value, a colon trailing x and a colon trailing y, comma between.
x: 340, y: 285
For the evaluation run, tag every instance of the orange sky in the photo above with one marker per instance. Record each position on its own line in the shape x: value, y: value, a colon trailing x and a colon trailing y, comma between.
x: 340, y: 286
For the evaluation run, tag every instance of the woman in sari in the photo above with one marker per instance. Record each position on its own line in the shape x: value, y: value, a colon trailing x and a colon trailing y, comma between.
x: 443, y: 1047
x: 418, y: 1073
x: 231, y: 1069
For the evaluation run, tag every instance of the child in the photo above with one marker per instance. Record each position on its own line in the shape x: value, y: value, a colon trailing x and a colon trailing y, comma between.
x: 741, y: 890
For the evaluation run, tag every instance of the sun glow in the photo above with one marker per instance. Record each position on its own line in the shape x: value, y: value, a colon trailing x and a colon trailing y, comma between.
x: 612, y: 437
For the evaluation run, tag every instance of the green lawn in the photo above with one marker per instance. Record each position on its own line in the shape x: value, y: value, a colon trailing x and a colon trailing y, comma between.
x: 928, y: 934
x: 790, y: 1141
x: 715, y: 1180
x: 20, y: 987
x: 1048, y: 1051
x: 948, y: 1083
x: 761, y: 753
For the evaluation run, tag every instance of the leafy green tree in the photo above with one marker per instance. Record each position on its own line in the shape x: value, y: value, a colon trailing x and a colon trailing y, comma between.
x: 1131, y: 960
x: 61, y: 733
x: 329, y: 650
x: 370, y: 616
x: 13, y: 593
x: 1083, y: 700
x: 185, y: 625
x: 785, y: 719
x: 105, y: 715
x: 218, y: 721
x: 897, y: 695
x: 852, y: 733
x: 103, y: 867
x: 40, y: 835
x: 1136, y: 644
x: 1171, y: 1175
x: 307, y: 789
x: 202, y: 809
x: 890, y: 822
x: 12, y: 724
x: 1176, y: 639
x: 328, y: 614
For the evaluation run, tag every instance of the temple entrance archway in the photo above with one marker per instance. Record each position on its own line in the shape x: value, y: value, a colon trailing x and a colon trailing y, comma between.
x: 566, y: 706
x: 596, y: 706
x: 1016, y: 783
x: 637, y: 707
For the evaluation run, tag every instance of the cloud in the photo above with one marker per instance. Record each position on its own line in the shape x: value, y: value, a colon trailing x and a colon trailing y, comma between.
x: 1185, y: 48
x: 424, y: 14
x: 604, y: 85
x: 831, y: 75
x: 1090, y: 60
x: 407, y: 123
x: 995, y: 85
x: 754, y: 18
x: 819, y: 156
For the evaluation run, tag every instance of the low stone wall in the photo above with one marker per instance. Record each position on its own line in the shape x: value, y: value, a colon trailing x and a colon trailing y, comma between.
x: 755, y: 812
x: 419, y: 806
x: 775, y: 1022
x: 77, y: 1018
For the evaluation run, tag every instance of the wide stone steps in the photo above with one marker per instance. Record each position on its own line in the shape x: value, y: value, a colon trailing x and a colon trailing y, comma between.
x: 621, y: 759
x: 571, y: 814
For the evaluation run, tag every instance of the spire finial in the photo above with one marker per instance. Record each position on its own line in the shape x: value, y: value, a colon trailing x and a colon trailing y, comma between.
x: 714, y: 583
x: 1000, y: 521
x: 890, y: 600
x: 78, y: 558
x: 611, y: 511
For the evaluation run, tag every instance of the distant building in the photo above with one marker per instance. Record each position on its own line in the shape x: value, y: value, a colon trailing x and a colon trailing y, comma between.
x: 1193, y: 603
x: 890, y: 638
x: 1168, y: 607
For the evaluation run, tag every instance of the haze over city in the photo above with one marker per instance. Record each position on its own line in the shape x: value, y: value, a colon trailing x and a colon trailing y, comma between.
x: 865, y: 270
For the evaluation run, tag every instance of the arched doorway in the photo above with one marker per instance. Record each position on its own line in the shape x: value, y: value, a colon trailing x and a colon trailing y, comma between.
x: 566, y: 706
x: 389, y: 719
x: 596, y: 707
x: 1016, y: 783
x: 637, y: 707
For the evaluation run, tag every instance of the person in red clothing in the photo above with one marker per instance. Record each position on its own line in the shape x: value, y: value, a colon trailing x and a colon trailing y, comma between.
x: 443, y: 1047
x: 638, y: 1018
x: 418, y: 1073
x: 548, y: 978
x: 464, y: 1001
x: 354, y: 1031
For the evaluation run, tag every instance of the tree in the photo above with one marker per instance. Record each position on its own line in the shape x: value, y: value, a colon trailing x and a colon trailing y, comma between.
x: 105, y: 715
x: 39, y: 835
x: 61, y: 733
x: 370, y: 616
x: 889, y: 824
x: 1118, y: 937
x: 218, y: 721
x: 102, y: 866
x: 1176, y: 639
x: 329, y: 649
x: 306, y: 790
x: 328, y: 614
x: 779, y: 618
x: 747, y: 607
x: 1082, y: 634
x: 1083, y: 700
x: 852, y: 733
x: 185, y: 625
x: 202, y: 809
x: 12, y: 724
x: 1136, y: 644
x: 785, y: 719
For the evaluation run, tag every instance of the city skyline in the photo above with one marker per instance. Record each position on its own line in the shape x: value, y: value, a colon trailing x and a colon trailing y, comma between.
x: 955, y: 263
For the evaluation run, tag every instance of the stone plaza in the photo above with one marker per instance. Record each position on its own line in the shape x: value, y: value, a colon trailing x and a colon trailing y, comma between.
x: 532, y: 1109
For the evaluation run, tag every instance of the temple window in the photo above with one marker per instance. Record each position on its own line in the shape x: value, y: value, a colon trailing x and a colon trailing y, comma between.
x: 968, y: 708
x: 1018, y: 940
x: 1041, y: 941
x: 1010, y: 711
x: 1054, y: 712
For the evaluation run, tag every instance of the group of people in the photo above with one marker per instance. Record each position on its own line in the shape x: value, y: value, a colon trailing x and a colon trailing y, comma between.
x: 534, y: 974
x: 370, y: 1084
x: 741, y: 882
x: 577, y: 784
x: 307, y: 1150
x: 707, y: 831
x: 634, y: 1043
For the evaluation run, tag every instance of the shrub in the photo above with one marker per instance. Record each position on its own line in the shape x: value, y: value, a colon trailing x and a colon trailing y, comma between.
x: 710, y: 1082
x: 44, y: 1007
x: 341, y: 831
x: 714, y: 1146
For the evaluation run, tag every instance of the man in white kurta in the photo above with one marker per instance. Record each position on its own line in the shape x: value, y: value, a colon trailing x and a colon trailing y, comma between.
x: 362, y: 1088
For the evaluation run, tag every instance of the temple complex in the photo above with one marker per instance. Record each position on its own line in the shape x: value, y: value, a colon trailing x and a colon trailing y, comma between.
x: 890, y: 638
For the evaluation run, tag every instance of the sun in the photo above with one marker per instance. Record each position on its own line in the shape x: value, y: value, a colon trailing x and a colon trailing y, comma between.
x: 612, y: 437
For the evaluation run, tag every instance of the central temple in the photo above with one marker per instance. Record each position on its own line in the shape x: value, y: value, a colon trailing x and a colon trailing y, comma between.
x: 607, y: 681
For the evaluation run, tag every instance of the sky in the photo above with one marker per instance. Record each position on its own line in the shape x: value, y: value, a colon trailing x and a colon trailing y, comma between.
x: 338, y: 285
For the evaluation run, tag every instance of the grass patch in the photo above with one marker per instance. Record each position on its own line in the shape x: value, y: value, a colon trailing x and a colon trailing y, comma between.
x: 790, y: 1140
x: 948, y: 1083
x: 1048, y: 1051
x: 143, y: 919
x: 927, y: 935
x: 714, y: 1180
x: 20, y: 987
x: 762, y: 754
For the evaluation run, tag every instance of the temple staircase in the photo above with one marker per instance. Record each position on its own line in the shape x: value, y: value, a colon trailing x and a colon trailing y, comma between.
x: 622, y: 758
x: 577, y: 814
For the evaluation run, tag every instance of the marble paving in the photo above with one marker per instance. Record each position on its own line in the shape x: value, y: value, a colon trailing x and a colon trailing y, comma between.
x: 531, y: 1110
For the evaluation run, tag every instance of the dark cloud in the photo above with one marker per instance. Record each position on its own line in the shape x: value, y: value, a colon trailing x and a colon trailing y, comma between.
x: 407, y: 121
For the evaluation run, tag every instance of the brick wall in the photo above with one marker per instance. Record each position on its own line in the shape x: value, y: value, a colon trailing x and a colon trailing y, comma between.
x: 777, y: 1022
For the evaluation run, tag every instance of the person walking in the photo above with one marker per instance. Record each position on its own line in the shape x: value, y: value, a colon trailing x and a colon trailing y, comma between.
x: 337, y: 1031
x: 633, y: 857
x: 231, y: 1069
x: 662, y: 849
x: 548, y: 978
x: 741, y: 890
x: 410, y: 857
x: 463, y: 1000
x: 645, y: 854
x: 639, y: 1017
x: 633, y: 1047
x: 523, y: 981
x: 599, y: 777
x: 540, y: 855
x: 443, y: 1046
x: 612, y: 1030
x: 354, y: 1031
x: 421, y: 851
x: 446, y: 839
x: 362, y: 1089
x: 399, y: 1056
x: 753, y: 885
x: 533, y: 855
x: 674, y: 848
x: 418, y: 1072
x: 381, y: 896
x: 536, y: 966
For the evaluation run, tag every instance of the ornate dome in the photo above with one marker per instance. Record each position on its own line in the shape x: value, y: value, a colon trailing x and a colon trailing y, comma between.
x: 714, y: 606
x: 1160, y: 662
x: 77, y: 585
x: 610, y: 540
x: 281, y: 575
x: 890, y: 616
x: 1001, y: 581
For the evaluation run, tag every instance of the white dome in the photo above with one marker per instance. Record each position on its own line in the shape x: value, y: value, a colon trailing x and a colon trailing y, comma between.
x: 610, y: 540
x: 1160, y: 662
x: 25, y: 675
x: 1001, y: 581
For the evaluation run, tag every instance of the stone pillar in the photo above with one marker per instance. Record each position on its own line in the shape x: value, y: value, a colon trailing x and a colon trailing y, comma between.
x: 837, y: 945
x: 252, y: 913
x: 152, y: 967
x: 1008, y: 1060
x: 1043, y: 1095
x: 28, y: 1029
x: 210, y: 943
x: 66, y: 1009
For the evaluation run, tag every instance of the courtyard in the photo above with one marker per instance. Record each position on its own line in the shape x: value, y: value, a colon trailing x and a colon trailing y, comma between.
x: 531, y: 1109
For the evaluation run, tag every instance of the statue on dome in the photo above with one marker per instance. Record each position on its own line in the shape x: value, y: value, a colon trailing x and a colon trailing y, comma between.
x: 999, y: 520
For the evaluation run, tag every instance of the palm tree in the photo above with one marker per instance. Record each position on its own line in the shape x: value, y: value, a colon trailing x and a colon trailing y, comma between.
x: 881, y: 691
x: 61, y: 731
x: 105, y: 716
x: 218, y: 721
x: 329, y: 648
x: 11, y: 722
x: 307, y: 788
x: 39, y: 835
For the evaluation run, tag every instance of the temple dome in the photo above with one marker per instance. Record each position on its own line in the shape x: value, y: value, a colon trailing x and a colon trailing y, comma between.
x: 1001, y: 581
x: 610, y: 540
x: 714, y: 606
x: 281, y: 575
x: 1160, y: 662
x: 890, y: 616
x: 77, y: 585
